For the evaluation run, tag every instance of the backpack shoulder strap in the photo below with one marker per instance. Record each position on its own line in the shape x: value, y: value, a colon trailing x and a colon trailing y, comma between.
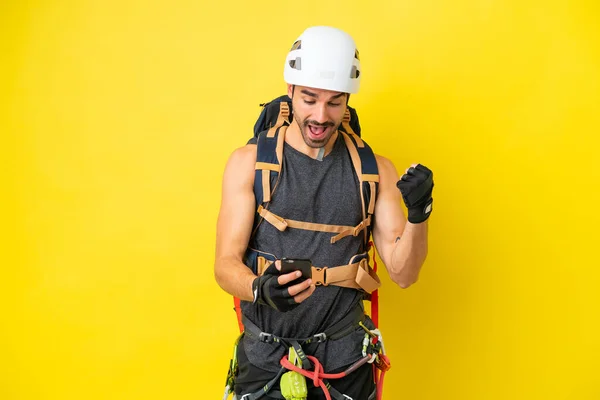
x: 365, y: 166
x: 269, y: 157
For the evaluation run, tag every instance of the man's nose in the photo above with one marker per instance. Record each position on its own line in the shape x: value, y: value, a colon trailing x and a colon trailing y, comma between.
x: 320, y: 114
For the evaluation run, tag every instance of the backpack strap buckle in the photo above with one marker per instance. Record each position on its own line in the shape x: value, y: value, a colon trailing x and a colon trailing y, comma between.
x: 319, y: 276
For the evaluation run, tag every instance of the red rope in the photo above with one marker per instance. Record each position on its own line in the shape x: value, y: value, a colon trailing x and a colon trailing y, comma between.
x: 317, y: 376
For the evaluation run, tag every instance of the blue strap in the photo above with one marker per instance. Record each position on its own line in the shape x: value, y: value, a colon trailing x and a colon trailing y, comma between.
x: 266, y: 152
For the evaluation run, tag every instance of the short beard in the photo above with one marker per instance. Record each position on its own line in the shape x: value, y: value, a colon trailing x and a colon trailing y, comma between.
x: 315, y: 144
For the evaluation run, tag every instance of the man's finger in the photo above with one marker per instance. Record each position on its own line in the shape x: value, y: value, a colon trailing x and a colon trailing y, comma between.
x: 294, y: 290
x: 423, y: 168
x: 287, y: 278
x: 305, y: 294
x: 411, y: 168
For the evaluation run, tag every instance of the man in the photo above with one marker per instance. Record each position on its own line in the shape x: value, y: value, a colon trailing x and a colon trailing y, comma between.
x: 317, y: 185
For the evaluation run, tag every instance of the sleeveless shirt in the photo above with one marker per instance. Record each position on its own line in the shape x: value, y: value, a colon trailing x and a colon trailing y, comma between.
x: 323, y: 192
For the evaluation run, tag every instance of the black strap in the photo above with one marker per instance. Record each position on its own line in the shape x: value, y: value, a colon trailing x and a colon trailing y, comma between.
x: 336, y: 395
x: 265, y: 389
x: 346, y: 325
x: 276, y: 394
x: 306, y: 364
x: 338, y: 330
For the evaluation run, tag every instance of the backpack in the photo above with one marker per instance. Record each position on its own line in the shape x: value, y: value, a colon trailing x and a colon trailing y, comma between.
x: 275, y: 116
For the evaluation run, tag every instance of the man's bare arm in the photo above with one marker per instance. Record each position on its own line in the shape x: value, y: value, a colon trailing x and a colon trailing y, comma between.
x: 234, y: 227
x: 401, y: 245
x: 234, y: 224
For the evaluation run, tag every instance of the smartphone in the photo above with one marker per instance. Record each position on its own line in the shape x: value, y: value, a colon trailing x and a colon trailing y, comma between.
x: 293, y: 264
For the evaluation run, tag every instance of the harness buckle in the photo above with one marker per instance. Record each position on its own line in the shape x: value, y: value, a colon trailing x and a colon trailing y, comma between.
x: 265, y: 338
x: 322, y: 337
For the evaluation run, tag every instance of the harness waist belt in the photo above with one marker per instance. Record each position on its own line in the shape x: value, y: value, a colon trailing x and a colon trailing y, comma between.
x: 338, y: 330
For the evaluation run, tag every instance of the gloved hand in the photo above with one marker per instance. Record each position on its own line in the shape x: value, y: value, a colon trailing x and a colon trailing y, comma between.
x: 416, y: 187
x: 278, y: 291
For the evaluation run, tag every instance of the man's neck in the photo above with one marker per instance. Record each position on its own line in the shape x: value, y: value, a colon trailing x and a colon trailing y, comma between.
x: 293, y: 137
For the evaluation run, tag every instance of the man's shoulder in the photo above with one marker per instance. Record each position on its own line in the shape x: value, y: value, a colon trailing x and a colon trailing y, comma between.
x: 384, y: 163
x: 243, y: 155
x: 241, y: 164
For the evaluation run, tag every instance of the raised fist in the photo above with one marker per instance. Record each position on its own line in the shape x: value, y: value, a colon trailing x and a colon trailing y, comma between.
x: 416, y: 186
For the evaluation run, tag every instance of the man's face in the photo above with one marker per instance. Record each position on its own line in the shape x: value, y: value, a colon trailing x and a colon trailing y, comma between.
x: 318, y: 113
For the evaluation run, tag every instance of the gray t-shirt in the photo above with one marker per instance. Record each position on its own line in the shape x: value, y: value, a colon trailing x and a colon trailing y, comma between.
x: 323, y: 192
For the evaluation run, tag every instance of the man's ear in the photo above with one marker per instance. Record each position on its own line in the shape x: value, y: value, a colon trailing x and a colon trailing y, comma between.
x: 290, y: 90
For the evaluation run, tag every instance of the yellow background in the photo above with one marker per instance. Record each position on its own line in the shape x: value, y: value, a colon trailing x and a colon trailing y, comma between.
x: 118, y: 116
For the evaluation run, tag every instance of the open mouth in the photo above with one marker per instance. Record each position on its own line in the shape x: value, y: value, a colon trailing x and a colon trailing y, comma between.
x: 318, y: 132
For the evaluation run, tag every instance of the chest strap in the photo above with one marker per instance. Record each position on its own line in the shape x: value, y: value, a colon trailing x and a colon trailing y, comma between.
x: 342, y: 230
x: 358, y: 275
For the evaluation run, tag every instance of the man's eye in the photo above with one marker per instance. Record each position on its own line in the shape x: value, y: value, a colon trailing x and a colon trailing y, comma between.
x: 309, y: 102
x: 334, y: 104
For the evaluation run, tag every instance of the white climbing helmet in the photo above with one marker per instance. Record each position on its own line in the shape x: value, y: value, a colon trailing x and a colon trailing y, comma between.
x: 324, y: 58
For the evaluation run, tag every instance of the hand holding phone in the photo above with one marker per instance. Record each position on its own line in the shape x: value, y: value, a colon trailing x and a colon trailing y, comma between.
x: 282, y: 291
x: 293, y: 264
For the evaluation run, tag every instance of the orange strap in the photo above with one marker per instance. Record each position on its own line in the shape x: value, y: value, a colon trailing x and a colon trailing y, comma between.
x: 266, y: 185
x: 358, y: 168
x: 342, y: 230
x: 350, y: 131
x: 284, y: 113
x: 352, y: 231
x: 355, y: 276
x: 268, y: 166
x: 262, y: 265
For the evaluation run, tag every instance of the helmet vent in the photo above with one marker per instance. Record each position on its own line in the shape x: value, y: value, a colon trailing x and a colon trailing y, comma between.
x: 355, y: 73
x: 297, y: 45
x: 296, y: 64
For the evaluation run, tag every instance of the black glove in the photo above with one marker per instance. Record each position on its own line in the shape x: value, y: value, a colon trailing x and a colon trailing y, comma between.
x: 268, y: 291
x: 416, y: 187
